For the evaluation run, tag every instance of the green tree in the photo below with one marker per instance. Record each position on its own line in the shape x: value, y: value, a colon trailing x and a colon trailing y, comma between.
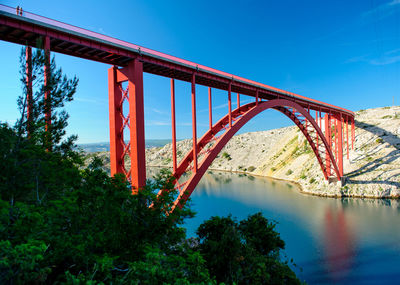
x: 61, y: 222
x: 244, y: 253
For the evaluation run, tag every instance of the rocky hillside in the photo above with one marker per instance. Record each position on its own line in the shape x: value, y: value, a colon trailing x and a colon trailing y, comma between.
x: 373, y: 169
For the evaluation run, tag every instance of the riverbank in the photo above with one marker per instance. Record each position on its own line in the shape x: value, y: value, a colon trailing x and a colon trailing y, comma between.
x: 372, y: 170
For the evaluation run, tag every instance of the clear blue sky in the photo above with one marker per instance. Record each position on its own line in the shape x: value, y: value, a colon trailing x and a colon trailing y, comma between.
x: 343, y: 52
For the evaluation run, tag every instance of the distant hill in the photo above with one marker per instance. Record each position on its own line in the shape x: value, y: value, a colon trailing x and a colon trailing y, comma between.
x: 105, y: 146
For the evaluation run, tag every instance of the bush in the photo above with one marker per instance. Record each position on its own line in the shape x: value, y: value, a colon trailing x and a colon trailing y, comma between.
x: 226, y: 155
x: 289, y: 172
x: 251, y: 168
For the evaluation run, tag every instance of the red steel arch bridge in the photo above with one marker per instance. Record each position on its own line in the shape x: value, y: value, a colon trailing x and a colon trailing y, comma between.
x: 326, y: 127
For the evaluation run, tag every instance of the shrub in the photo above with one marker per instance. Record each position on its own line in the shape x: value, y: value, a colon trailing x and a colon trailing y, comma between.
x: 226, y: 155
x: 289, y: 172
x: 251, y: 168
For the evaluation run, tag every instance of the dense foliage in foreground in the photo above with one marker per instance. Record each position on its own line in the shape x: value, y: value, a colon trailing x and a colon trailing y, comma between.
x: 61, y: 222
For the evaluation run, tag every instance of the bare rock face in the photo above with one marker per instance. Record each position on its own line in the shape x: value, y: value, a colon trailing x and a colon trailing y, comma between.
x: 372, y: 170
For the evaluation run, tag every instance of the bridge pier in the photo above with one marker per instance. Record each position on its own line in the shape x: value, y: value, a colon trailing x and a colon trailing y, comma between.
x: 28, y: 66
x: 339, y: 120
x: 46, y: 84
x: 133, y: 93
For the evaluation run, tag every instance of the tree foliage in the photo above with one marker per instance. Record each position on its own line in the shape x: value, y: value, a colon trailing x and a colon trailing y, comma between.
x: 61, y: 222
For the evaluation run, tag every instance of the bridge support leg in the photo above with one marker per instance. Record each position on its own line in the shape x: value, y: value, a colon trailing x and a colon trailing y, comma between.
x: 173, y: 124
x: 116, y: 126
x: 133, y: 74
x: 257, y: 97
x: 347, y: 136
x: 340, y: 144
x: 230, y: 105
x: 47, y: 88
x: 136, y: 121
x: 194, y: 126
x: 210, y: 107
x: 28, y: 66
x: 352, y: 133
x: 327, y: 119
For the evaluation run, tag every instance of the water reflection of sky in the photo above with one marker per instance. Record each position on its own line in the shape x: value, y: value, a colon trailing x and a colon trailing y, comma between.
x: 333, y: 241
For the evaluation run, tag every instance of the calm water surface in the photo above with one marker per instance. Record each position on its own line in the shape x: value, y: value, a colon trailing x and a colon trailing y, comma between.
x: 332, y: 241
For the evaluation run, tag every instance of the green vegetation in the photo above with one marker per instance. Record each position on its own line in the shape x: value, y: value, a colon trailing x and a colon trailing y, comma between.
x: 66, y: 224
x: 226, y: 156
x: 244, y: 252
x: 379, y: 140
x: 251, y: 168
x: 387, y: 117
x: 289, y: 172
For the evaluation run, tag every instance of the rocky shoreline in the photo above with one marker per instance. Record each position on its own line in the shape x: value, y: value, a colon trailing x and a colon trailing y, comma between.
x: 372, y: 170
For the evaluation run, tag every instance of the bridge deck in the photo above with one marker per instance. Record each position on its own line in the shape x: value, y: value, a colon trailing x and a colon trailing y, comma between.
x: 29, y: 29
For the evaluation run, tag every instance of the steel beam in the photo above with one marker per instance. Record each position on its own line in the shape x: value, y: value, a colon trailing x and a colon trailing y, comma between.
x: 230, y: 105
x: 210, y: 108
x: 46, y: 85
x: 134, y: 72
x: 194, y: 124
x: 339, y: 121
x: 116, y: 132
x: 173, y: 124
x: 352, y: 133
x: 329, y: 140
x: 347, y: 136
x: 28, y: 72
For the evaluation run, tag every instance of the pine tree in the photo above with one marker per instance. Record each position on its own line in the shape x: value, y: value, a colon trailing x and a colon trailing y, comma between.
x: 61, y: 90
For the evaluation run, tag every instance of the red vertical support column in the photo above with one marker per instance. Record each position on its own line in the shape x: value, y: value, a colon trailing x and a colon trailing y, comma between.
x: 46, y: 83
x: 328, y: 138
x: 347, y: 136
x: 136, y: 122
x: 230, y: 104
x: 194, y: 126
x: 210, y: 107
x: 116, y: 133
x: 238, y: 100
x: 173, y: 124
x: 352, y: 133
x: 316, y: 133
x: 336, y: 138
x: 340, y: 143
x: 28, y: 66
x: 257, y: 97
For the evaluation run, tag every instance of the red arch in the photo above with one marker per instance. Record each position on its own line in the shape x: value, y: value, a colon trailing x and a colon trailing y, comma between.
x: 241, y: 116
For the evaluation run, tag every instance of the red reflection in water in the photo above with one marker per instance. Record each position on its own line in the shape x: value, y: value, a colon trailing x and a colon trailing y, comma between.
x: 338, y: 244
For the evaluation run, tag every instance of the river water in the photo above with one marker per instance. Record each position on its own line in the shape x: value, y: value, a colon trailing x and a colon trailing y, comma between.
x: 332, y: 241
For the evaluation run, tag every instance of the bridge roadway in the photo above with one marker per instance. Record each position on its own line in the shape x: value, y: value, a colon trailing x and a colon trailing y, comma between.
x: 71, y: 40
